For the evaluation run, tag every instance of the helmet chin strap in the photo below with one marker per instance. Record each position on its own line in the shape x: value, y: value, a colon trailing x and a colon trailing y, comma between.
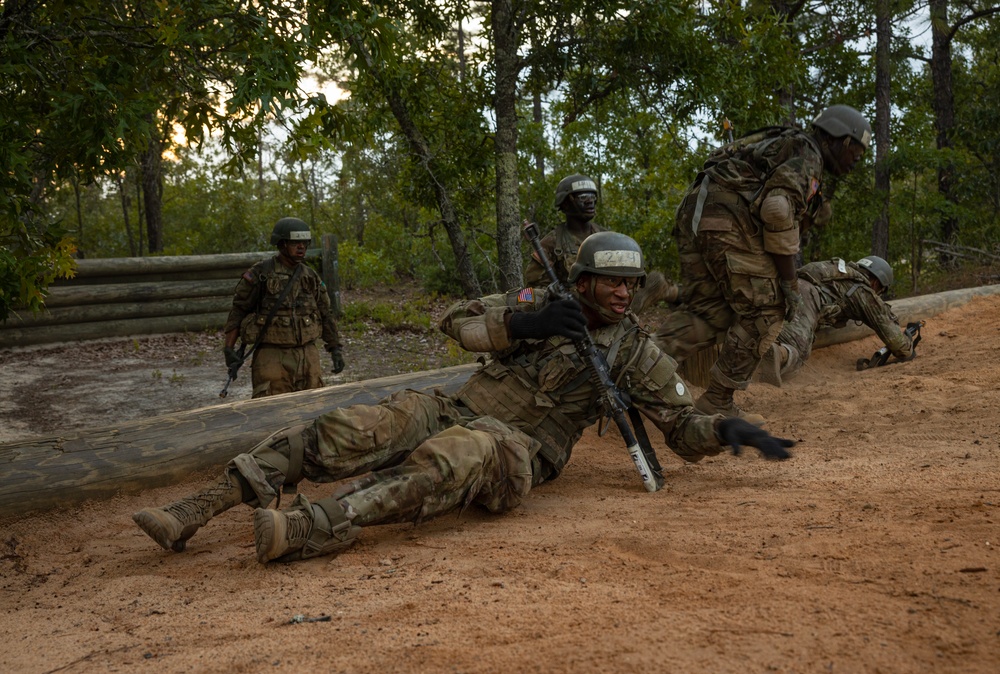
x: 588, y: 300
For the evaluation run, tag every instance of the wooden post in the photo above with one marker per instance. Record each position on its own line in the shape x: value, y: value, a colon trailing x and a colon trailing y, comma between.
x: 331, y: 271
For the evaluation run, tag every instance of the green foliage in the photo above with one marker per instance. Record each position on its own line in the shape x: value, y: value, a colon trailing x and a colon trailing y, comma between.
x: 414, y: 317
x: 360, y: 268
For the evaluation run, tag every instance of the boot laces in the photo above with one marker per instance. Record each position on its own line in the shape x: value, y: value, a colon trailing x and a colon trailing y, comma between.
x: 195, y: 509
x: 298, y: 526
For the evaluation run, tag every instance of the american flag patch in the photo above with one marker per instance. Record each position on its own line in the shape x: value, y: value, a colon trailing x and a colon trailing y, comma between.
x: 813, y: 188
x: 526, y: 295
x: 248, y: 275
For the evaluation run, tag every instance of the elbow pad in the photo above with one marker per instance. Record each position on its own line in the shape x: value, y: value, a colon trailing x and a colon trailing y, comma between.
x: 776, y: 212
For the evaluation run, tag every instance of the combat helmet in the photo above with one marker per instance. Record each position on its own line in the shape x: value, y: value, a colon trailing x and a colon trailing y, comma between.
x: 878, y: 268
x: 290, y: 229
x: 843, y: 120
x: 609, y: 254
x: 573, y: 184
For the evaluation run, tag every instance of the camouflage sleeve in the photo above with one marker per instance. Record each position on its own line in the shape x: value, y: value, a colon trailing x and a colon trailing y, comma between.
x: 661, y: 396
x: 795, y: 176
x: 331, y: 336
x: 245, y: 298
x: 481, y: 325
x: 867, y: 307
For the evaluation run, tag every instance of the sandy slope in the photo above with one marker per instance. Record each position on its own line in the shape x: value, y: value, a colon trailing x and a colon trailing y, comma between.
x: 872, y: 550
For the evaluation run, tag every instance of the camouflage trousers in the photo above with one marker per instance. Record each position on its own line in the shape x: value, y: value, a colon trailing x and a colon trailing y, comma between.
x: 284, y: 369
x: 411, y: 457
x: 730, y: 295
x: 801, y: 332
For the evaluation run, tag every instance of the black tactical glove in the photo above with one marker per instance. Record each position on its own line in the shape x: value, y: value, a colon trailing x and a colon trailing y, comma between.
x: 794, y: 304
x: 337, y: 355
x: 231, y: 356
x: 736, y: 432
x: 559, y: 317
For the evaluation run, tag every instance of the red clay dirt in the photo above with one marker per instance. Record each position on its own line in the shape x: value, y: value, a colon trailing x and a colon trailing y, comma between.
x: 872, y: 550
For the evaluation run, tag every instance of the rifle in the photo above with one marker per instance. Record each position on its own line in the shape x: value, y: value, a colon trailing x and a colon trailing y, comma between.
x: 234, y: 369
x: 881, y: 357
x: 613, y: 402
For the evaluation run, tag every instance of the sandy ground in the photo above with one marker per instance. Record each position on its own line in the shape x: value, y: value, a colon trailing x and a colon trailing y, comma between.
x: 872, y: 550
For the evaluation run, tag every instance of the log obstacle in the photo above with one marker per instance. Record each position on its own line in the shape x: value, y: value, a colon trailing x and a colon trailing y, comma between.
x: 48, y: 472
x: 122, y: 297
x: 43, y: 473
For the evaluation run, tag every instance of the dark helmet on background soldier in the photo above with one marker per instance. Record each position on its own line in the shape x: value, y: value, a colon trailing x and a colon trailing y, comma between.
x: 290, y: 229
x: 843, y: 120
x: 609, y: 254
x: 878, y: 268
x: 573, y: 184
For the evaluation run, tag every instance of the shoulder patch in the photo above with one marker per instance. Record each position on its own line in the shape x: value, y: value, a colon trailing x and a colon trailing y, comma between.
x: 248, y: 275
x: 526, y: 296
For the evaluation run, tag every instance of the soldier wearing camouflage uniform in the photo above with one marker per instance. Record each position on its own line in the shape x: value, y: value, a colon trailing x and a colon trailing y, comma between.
x: 738, y: 232
x: 833, y: 293
x: 576, y: 197
x: 286, y: 359
x: 511, y: 427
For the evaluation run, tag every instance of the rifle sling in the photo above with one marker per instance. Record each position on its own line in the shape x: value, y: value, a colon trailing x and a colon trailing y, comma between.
x: 640, y: 435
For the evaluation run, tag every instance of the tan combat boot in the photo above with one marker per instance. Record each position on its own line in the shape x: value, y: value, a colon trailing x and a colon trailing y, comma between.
x: 172, y: 525
x: 770, y: 365
x: 718, y: 399
x: 302, y: 531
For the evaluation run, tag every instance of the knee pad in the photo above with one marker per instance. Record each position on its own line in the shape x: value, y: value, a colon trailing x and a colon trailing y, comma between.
x: 278, y: 460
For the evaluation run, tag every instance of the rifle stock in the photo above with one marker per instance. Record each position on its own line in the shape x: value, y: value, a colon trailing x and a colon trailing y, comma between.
x: 612, y: 400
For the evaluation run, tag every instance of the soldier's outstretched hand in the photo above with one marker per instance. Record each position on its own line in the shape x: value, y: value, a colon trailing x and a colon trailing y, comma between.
x: 737, y: 432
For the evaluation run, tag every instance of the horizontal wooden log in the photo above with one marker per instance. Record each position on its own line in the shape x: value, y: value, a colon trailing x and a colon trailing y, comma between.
x: 66, y: 316
x: 137, y: 266
x: 229, y: 274
x: 51, y: 334
x: 907, y: 310
x: 43, y: 473
x: 75, y: 296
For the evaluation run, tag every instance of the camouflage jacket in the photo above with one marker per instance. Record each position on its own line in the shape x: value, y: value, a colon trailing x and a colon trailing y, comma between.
x: 738, y: 177
x: 845, y: 295
x: 304, y: 315
x: 544, y: 389
x: 560, y: 246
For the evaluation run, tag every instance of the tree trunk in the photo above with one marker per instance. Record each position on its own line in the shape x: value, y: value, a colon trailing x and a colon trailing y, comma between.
x: 419, y: 147
x: 125, y: 208
x: 883, y: 99
x: 151, y: 170
x: 506, y: 62
x: 944, y: 115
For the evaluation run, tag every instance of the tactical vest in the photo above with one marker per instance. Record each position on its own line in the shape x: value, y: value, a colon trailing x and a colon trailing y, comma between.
x: 297, y: 321
x: 731, y: 182
x: 527, y: 388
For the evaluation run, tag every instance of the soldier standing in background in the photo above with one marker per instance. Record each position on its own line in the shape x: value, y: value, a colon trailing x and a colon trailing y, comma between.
x: 511, y: 427
x: 281, y: 307
x: 833, y: 293
x: 738, y: 231
x: 576, y: 197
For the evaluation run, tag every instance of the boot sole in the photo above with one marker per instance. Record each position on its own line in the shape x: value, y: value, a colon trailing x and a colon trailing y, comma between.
x: 269, y: 527
x: 153, y: 527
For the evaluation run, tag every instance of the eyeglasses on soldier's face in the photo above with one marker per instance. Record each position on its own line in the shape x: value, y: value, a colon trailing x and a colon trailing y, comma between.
x: 614, y: 282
